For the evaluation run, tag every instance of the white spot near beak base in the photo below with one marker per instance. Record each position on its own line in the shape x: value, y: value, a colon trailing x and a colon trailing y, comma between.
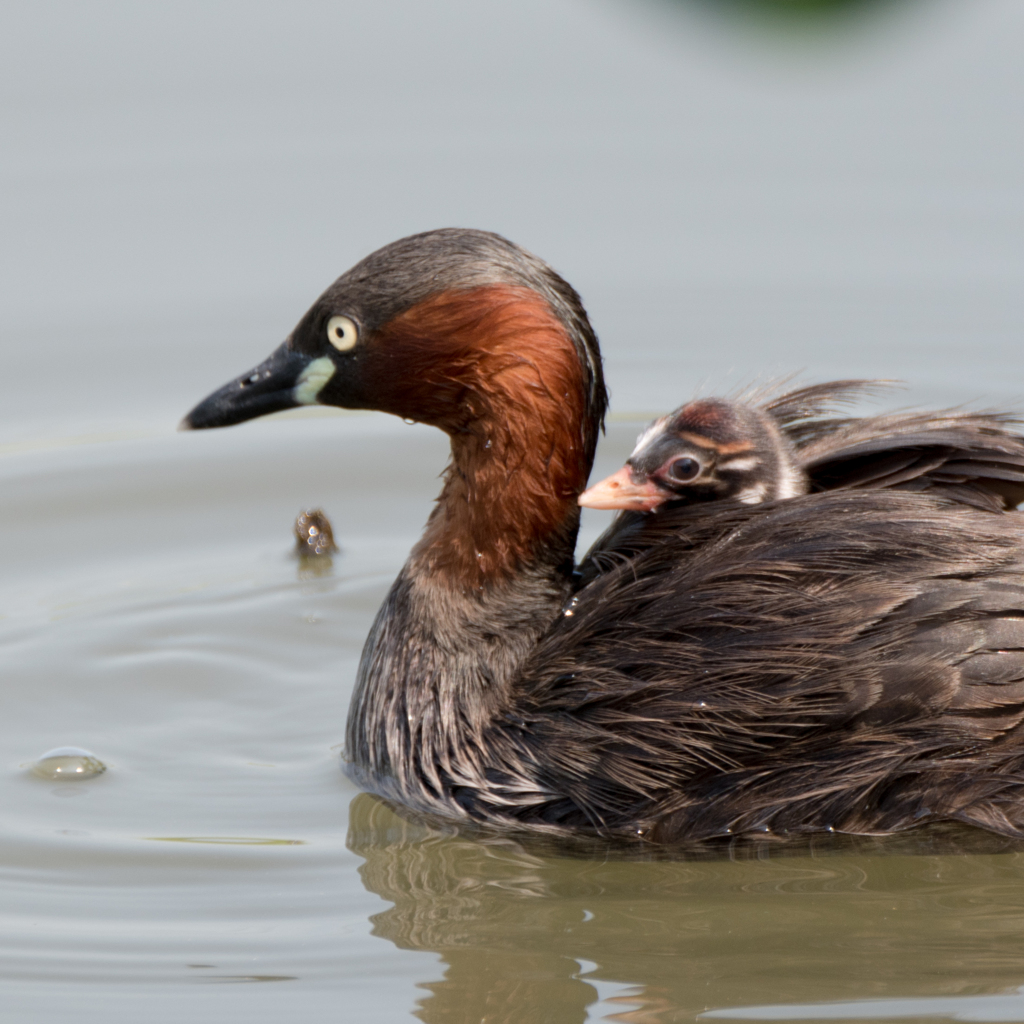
x: 312, y: 380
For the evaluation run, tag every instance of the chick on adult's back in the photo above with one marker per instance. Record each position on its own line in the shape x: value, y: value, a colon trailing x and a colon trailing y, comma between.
x: 709, y: 450
x: 790, y: 444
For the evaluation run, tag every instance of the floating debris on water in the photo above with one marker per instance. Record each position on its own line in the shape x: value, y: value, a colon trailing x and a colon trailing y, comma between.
x: 68, y: 763
x: 313, y: 533
x: 314, y: 542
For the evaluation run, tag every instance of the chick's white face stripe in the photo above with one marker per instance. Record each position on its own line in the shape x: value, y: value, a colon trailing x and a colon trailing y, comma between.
x: 741, y: 465
x: 791, y: 481
x: 753, y: 495
x: 652, y: 431
x: 312, y: 379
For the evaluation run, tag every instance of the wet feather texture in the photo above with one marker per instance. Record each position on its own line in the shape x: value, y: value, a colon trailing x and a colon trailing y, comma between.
x: 790, y: 676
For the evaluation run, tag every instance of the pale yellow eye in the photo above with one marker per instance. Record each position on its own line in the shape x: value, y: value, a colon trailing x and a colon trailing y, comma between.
x: 342, y: 333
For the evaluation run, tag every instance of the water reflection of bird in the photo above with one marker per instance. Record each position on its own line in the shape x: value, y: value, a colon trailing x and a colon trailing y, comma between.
x: 528, y: 934
x: 485, y: 908
x: 850, y: 660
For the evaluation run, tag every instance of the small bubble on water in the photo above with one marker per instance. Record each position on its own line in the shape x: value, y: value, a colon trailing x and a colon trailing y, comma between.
x: 68, y: 763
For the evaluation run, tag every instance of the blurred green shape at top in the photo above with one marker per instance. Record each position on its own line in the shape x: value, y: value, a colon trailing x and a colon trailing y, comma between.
x: 794, y: 10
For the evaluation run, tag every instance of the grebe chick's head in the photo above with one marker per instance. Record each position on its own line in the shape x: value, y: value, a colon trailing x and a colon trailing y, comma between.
x: 709, y: 450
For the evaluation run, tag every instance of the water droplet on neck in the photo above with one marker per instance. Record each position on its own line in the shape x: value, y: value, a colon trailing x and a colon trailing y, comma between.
x: 405, y: 419
x: 68, y: 763
x: 488, y: 445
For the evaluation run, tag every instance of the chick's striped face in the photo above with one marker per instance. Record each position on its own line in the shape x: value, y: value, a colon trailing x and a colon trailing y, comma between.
x: 703, y: 452
x: 709, y: 450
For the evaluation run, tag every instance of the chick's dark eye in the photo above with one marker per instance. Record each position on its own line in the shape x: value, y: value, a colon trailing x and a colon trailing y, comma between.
x: 684, y: 469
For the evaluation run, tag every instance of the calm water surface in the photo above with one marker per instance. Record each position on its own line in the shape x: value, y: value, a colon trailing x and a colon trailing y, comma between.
x: 224, y: 869
x: 177, y: 182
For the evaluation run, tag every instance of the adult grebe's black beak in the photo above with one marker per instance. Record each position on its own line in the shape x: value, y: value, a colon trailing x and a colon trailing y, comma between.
x: 286, y: 380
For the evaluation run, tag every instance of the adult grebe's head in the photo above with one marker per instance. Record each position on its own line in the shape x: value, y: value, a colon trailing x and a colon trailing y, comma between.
x: 441, y: 328
x: 468, y: 332
x: 708, y: 450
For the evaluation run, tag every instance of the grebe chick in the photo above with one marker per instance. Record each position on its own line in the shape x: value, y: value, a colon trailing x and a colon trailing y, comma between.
x: 708, y: 450
x: 714, y: 448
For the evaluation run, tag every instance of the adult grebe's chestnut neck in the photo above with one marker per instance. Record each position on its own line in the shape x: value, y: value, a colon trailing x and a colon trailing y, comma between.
x: 496, y: 369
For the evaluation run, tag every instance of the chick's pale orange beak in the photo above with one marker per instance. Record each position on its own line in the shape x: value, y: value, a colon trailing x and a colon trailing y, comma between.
x: 620, y: 491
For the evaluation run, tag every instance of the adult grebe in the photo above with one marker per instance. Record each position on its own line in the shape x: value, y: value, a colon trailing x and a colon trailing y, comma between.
x: 851, y: 660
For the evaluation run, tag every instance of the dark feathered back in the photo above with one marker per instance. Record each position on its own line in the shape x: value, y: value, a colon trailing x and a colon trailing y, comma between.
x: 971, y: 457
x: 764, y: 667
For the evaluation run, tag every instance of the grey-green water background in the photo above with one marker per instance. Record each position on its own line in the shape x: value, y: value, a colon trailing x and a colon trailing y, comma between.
x: 735, y: 197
